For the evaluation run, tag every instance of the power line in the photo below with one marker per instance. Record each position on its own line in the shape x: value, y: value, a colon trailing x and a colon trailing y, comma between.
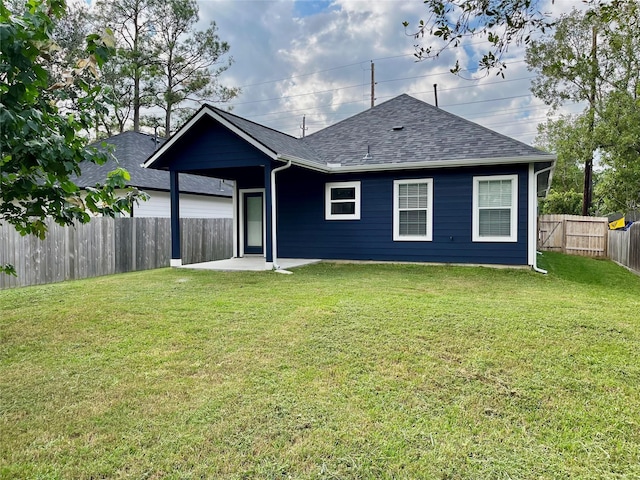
x: 363, y: 84
x: 487, y: 100
x: 360, y: 63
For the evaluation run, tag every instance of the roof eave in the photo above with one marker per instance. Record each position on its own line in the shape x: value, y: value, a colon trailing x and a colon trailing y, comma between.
x: 469, y: 162
x: 207, y: 110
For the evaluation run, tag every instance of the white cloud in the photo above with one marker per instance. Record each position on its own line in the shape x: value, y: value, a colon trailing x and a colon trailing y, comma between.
x: 315, y: 61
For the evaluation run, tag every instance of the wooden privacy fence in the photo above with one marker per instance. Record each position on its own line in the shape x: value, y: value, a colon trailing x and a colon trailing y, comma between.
x: 573, y: 234
x: 109, y: 245
x: 624, y: 247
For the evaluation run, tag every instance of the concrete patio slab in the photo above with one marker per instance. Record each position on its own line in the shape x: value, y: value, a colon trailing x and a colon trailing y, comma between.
x: 250, y: 264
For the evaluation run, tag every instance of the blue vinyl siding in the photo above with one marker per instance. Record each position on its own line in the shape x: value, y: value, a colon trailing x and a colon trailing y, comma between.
x: 303, y: 231
x: 208, y: 145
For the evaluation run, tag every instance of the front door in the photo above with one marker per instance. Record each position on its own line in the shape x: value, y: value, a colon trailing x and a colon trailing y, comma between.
x: 253, y: 225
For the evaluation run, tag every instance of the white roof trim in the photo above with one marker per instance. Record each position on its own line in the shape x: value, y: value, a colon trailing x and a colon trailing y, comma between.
x: 333, y: 167
x: 470, y: 162
x: 206, y: 110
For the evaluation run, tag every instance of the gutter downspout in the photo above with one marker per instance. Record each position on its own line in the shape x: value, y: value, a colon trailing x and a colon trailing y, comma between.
x: 274, y: 244
x: 535, y: 256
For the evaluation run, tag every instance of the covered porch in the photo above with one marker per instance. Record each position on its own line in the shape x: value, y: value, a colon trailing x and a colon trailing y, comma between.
x: 217, y: 144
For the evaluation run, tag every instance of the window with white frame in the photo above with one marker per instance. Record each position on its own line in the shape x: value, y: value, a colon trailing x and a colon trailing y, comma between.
x: 342, y: 201
x: 495, y: 208
x: 413, y: 210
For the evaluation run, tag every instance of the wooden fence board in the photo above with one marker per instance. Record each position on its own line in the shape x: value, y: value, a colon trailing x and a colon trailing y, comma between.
x: 108, y: 245
x: 634, y: 247
x: 573, y: 234
x: 624, y: 247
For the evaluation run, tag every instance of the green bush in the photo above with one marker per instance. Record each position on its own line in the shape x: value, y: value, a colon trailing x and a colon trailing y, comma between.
x: 569, y: 202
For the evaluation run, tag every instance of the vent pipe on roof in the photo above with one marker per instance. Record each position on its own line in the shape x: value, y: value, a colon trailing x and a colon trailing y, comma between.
x: 304, y: 125
x: 368, y: 155
x: 373, y: 85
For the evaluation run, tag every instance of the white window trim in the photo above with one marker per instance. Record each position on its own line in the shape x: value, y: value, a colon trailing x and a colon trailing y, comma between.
x: 328, y: 202
x: 514, y: 210
x: 396, y: 212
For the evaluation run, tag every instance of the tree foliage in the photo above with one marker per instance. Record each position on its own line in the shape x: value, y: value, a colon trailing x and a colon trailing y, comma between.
x: 42, y: 118
x: 564, y: 138
x: 618, y: 135
x: 188, y: 62
x: 163, y: 63
x: 132, y: 24
x: 593, y: 57
x: 502, y: 23
x: 568, y: 202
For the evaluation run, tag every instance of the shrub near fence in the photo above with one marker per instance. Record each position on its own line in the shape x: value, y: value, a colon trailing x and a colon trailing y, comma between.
x: 624, y: 247
x: 109, y: 245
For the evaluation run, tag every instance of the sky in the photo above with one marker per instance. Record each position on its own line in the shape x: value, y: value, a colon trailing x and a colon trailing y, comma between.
x: 312, y: 59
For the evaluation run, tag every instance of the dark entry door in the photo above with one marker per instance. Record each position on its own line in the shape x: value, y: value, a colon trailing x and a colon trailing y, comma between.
x: 253, y: 227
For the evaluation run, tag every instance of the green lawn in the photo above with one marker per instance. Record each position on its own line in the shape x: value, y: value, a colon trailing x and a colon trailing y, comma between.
x: 337, y: 371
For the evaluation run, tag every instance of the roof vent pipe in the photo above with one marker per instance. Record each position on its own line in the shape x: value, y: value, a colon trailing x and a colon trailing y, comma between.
x: 368, y: 155
x: 155, y: 137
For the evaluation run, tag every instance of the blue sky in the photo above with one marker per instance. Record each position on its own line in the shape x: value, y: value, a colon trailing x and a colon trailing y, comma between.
x: 305, y: 8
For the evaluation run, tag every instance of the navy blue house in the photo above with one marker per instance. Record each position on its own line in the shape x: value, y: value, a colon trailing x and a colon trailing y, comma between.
x: 402, y: 181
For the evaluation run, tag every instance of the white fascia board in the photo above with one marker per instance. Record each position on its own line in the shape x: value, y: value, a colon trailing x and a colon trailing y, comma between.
x: 415, y: 165
x: 206, y: 110
x: 301, y: 162
x: 442, y: 164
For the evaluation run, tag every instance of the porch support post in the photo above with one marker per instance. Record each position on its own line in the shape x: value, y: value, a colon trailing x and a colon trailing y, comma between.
x: 235, y: 201
x: 268, y: 224
x: 176, y: 257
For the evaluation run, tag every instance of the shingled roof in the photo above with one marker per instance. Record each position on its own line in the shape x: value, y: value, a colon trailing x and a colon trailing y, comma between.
x: 131, y: 149
x: 403, y: 132
x: 407, y: 130
x: 276, y: 141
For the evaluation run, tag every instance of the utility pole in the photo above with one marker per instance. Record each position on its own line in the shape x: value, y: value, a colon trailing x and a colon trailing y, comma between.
x: 373, y: 84
x: 304, y: 125
x: 435, y: 92
x: 587, y: 196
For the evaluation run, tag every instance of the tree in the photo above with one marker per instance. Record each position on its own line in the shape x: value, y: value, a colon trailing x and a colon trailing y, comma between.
x: 590, y: 58
x: 618, y: 136
x: 564, y: 138
x: 502, y: 23
x: 41, y: 143
x: 567, y: 203
x: 118, y: 95
x: 131, y: 21
x: 188, y: 62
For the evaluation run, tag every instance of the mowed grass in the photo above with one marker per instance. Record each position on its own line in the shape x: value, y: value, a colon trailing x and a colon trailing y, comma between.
x: 337, y: 371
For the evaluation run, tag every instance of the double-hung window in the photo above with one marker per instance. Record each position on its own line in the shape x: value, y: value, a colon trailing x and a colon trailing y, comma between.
x: 495, y: 208
x: 342, y: 201
x: 413, y: 210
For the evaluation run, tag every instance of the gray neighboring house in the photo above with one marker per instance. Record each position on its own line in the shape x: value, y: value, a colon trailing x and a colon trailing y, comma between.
x: 200, y: 197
